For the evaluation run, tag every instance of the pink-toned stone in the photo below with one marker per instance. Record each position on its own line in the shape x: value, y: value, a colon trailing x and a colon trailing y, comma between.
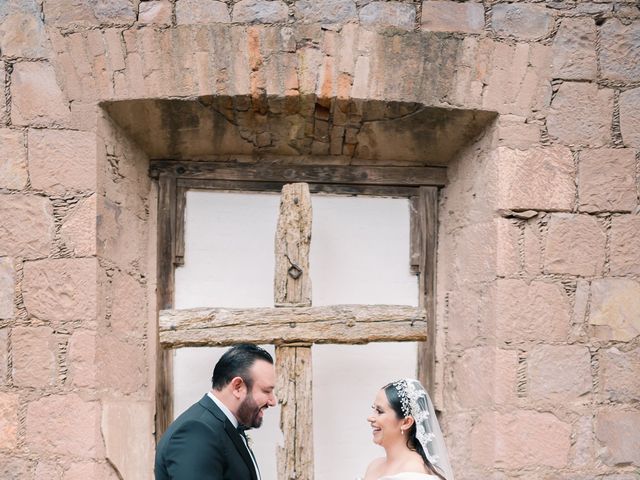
x: 558, y: 373
x: 535, y: 311
x: 62, y: 160
x: 574, y: 49
x: 607, y: 180
x: 532, y: 248
x: 575, y: 245
x: 516, y: 132
x: 78, y: 419
x: 60, y: 289
x: 121, y: 235
x: 520, y: 439
x: 12, y: 467
x: 522, y: 21
x: 475, y: 257
x: 618, y: 374
x: 508, y: 251
x: 582, y: 453
x: 7, y: 288
x: 325, y: 11
x: 538, y: 178
x: 449, y: 16
x: 619, y: 52
x: 127, y: 428
x: 4, y: 355
x: 624, y: 258
x: 630, y: 117
x: 157, y: 12
x: 469, y: 315
x: 485, y: 376
x: 260, y: 11
x: 4, y: 114
x: 22, y: 32
x: 26, y: 226
x: 617, y: 432
x: 388, y: 14
x: 81, y: 359
x: 615, y: 309
x: 78, y: 230
x: 13, y: 159
x: 581, y: 114
x: 115, y: 357
x: 47, y: 471
x: 34, y: 352
x: 129, y: 306
x: 86, y: 470
x: 201, y: 11
x: 36, y: 96
x: 63, y: 13
x: 8, y: 420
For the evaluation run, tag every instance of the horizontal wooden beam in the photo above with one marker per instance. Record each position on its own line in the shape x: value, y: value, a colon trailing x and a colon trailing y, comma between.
x: 269, y: 172
x: 350, y: 324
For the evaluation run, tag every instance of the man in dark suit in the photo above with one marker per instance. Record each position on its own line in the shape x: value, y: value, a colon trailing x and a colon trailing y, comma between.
x: 207, y: 441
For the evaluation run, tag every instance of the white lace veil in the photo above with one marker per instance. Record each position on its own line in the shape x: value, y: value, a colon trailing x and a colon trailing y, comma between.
x: 416, y: 403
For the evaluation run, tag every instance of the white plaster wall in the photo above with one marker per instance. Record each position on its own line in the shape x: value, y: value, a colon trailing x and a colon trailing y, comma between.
x: 359, y: 254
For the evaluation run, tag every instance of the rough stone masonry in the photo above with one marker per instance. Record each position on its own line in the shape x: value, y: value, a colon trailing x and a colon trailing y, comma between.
x: 538, y: 293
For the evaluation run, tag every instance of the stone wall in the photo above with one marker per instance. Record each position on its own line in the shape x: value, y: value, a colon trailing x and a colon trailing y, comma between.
x: 539, y: 265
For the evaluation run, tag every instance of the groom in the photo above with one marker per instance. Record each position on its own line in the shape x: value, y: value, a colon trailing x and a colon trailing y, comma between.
x: 207, y: 442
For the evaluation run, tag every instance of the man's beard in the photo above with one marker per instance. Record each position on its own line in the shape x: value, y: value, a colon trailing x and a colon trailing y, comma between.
x: 249, y: 412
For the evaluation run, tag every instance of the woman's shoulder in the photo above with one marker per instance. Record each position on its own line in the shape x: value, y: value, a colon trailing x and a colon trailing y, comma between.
x: 410, y: 476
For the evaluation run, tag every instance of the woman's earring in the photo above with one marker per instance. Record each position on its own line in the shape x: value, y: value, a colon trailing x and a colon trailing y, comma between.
x: 402, y: 431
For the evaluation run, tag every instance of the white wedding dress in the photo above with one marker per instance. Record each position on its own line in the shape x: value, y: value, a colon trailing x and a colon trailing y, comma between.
x: 408, y: 476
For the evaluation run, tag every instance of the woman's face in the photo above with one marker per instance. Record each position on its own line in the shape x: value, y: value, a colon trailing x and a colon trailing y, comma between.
x: 384, y: 421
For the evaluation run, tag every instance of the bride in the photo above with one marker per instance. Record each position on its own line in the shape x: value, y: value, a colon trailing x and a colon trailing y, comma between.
x: 404, y: 423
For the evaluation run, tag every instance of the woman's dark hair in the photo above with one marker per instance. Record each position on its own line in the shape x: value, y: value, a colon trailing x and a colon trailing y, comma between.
x: 236, y: 362
x: 412, y: 441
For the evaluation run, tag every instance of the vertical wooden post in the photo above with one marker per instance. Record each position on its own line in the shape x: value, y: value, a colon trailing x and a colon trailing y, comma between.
x: 428, y: 222
x: 165, y: 291
x: 293, y: 362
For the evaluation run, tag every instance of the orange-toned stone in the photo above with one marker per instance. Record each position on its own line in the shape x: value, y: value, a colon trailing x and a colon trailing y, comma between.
x: 62, y: 160
x: 9, y: 404
x: 36, y: 96
x: 520, y: 439
x: 13, y: 159
x: 49, y: 416
x: 60, y: 289
x: 34, y: 352
x: 26, y: 226
x: 575, y: 245
x: 78, y: 230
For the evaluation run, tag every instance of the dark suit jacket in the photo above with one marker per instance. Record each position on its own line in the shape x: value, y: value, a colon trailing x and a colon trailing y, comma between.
x: 202, y: 444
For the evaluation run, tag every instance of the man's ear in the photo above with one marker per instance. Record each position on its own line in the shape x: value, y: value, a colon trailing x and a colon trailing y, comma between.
x: 238, y: 387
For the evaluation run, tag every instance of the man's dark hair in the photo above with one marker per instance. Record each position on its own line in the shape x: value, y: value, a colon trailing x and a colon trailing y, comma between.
x: 236, y: 362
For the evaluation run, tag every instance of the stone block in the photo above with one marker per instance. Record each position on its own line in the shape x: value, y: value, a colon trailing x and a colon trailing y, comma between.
x: 78, y: 230
x: 36, y: 97
x: 469, y: 315
x: 559, y: 373
x: 575, y: 245
x: 4, y: 355
x: 189, y: 12
x: 260, y: 11
x: 9, y: 404
x: 617, y: 432
x: 475, y: 257
x: 49, y: 417
x: 520, y: 439
x: 583, y: 443
x: 515, y: 132
x: 325, y: 11
x: 450, y: 16
x: 116, y: 356
x: 537, y: 179
x: 508, y: 247
x: 128, y: 428
x: 14, y: 468
x: 630, y: 117
x: 581, y: 114
x: 522, y: 21
x: 60, y: 289
x: 62, y: 160
x: 606, y: 180
x: 533, y: 248
x: 624, y: 245
x: 26, y: 226
x: 34, y: 351
x: 388, y: 14
x: 535, y: 311
x: 129, y: 307
x: 615, y: 309
x: 13, y: 159
x: 485, y: 376
x: 155, y: 12
x: 574, y: 50
x: 121, y: 236
x: 22, y: 32
x: 81, y: 359
x: 7, y: 288
x: 66, y: 13
x: 47, y: 471
x: 86, y: 470
x: 618, y: 374
x: 4, y: 116
x: 619, y: 52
